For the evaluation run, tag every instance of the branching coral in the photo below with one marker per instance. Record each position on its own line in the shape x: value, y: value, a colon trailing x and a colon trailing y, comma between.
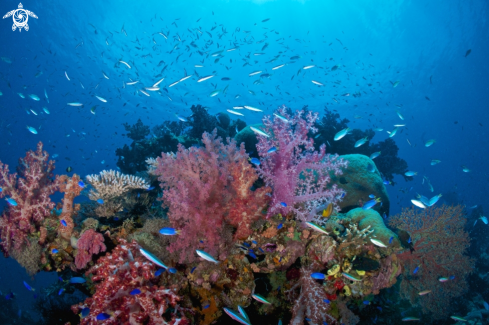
x: 90, y: 243
x: 116, y: 276
x: 30, y: 190
x: 298, y: 175
x: 111, y: 184
x: 439, y: 243
x: 206, y: 188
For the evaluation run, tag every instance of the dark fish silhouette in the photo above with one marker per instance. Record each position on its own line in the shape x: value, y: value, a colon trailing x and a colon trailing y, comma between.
x: 468, y: 52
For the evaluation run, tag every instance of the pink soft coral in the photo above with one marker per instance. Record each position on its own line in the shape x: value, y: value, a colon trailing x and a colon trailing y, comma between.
x: 90, y: 243
x: 31, y: 189
x: 206, y: 189
x: 116, y: 276
x: 298, y: 175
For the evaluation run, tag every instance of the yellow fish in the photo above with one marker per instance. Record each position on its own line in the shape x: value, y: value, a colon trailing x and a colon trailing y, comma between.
x: 328, y: 211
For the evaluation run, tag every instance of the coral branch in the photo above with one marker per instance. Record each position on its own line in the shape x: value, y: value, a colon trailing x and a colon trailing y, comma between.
x: 69, y: 186
x: 90, y: 243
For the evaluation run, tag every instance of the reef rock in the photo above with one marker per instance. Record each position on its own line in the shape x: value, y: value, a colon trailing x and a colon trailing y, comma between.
x: 359, y: 182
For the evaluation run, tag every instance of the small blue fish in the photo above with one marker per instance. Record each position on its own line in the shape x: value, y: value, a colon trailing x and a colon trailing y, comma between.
x: 169, y: 231
x: 172, y: 270
x: 252, y: 254
x: 261, y: 250
x: 9, y: 296
x: 272, y: 149
x: 366, y: 302
x: 12, y: 202
x: 386, y: 182
x: 452, y: 277
x: 343, y: 194
x: 255, y: 161
x: 206, y: 306
x: 416, y: 270
x: 280, y: 226
x: 248, y: 245
x: 283, y: 204
x: 63, y: 223
x: 150, y: 188
x: 370, y: 204
x: 1, y: 190
x: 135, y: 292
x: 54, y: 251
x: 60, y: 279
x: 28, y: 287
x: 103, y: 316
x: 308, y: 319
x: 193, y: 269
x: 318, y: 276
x: 81, y: 184
x: 254, y: 242
x: 100, y: 201
x: 139, y: 195
x: 84, y: 312
x: 409, y: 240
x: 77, y: 279
x: 327, y: 301
x: 159, y: 271
x: 116, y: 219
x: 60, y: 292
x: 371, y: 196
x: 390, y: 240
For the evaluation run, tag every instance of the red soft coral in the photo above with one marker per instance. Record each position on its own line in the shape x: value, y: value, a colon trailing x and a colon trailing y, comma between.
x: 30, y: 189
x: 90, y: 243
x: 116, y: 276
x: 298, y: 175
x: 207, y: 188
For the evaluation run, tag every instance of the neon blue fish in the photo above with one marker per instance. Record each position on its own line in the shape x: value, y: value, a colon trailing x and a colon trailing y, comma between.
x: 172, y: 270
x: 318, y: 276
x: 60, y: 292
x: 135, y: 292
x: 84, y: 312
x: 81, y: 184
x: 159, y: 271
x: 100, y: 201
x: 12, y: 202
x: 63, y: 223
x: 103, y: 316
x: 77, y: 279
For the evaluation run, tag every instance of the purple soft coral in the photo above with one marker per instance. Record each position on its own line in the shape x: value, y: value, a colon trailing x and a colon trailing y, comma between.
x: 298, y: 175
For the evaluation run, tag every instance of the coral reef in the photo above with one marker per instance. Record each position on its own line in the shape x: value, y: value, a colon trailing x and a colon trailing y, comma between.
x: 116, y: 275
x: 29, y: 190
x: 111, y: 184
x: 213, y: 180
x: 90, y: 243
x: 298, y: 175
x: 437, y: 245
x: 69, y: 186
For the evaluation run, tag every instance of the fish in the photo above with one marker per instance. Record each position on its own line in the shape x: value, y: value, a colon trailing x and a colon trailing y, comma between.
x: 326, y: 301
x: 236, y: 316
x: 318, y: 276
x: 261, y: 299
x: 390, y: 240
x: 443, y: 279
x: 127, y: 65
x: 45, y: 110
x: 157, y: 83
x: 377, y: 242
x: 153, y: 88
x: 416, y: 270
x: 173, y: 84
x: 85, y: 312
x: 54, y: 251
x: 465, y: 169
x: 172, y: 270
x: 271, y: 150
x: 335, y: 67
x: 434, y: 199
x: 395, y: 84
x: 152, y: 258
x: 253, y: 109
x: 103, y: 316
x: 81, y: 184
x: 67, y: 76
x: 32, y: 130
x: 328, y: 211
x: 468, y: 52
x: 393, y: 133
x: 375, y: 155
x: 183, y: 119
x: 214, y: 93
x: 278, y: 67
x: 259, y: 132
x: 28, y: 286
x: 63, y: 223
x: 419, y: 204
x: 169, y: 231
x: 361, y: 142
x: 350, y: 277
x: 341, y: 134
x: 159, y: 271
x: 280, y: 225
x: 370, y: 204
x: 34, y: 97
x: 21, y: 95
x: 75, y: 104
x: 435, y: 162
x: 458, y: 318
x: 308, y: 67
x: 60, y: 292
x: 316, y: 227
x: 206, y: 256
x: 317, y: 83
x: 135, y: 82
x: 234, y: 112
x: 105, y: 76
x: 135, y: 292
x: 400, y: 115
x: 410, y: 319
x: 100, y: 201
x: 103, y: 100
x: 410, y: 173
x: 429, y: 143
x: 280, y: 117
x: 243, y: 313
x: 77, y: 279
x: 424, y: 292
x: 11, y: 201
x: 33, y: 112
x: 69, y: 169
x: 255, y: 73
x: 255, y: 161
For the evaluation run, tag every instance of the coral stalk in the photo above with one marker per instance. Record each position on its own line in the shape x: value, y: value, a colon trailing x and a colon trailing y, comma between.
x: 90, y: 243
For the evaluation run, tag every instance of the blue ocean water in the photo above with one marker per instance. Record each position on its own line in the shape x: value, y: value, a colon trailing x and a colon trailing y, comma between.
x: 442, y: 89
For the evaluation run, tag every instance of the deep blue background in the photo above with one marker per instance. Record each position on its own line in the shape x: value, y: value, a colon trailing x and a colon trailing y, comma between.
x: 381, y: 41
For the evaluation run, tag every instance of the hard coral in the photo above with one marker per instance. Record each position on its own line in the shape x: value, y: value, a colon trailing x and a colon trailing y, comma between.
x: 30, y: 189
x: 205, y: 189
x: 298, y: 175
x: 116, y: 276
